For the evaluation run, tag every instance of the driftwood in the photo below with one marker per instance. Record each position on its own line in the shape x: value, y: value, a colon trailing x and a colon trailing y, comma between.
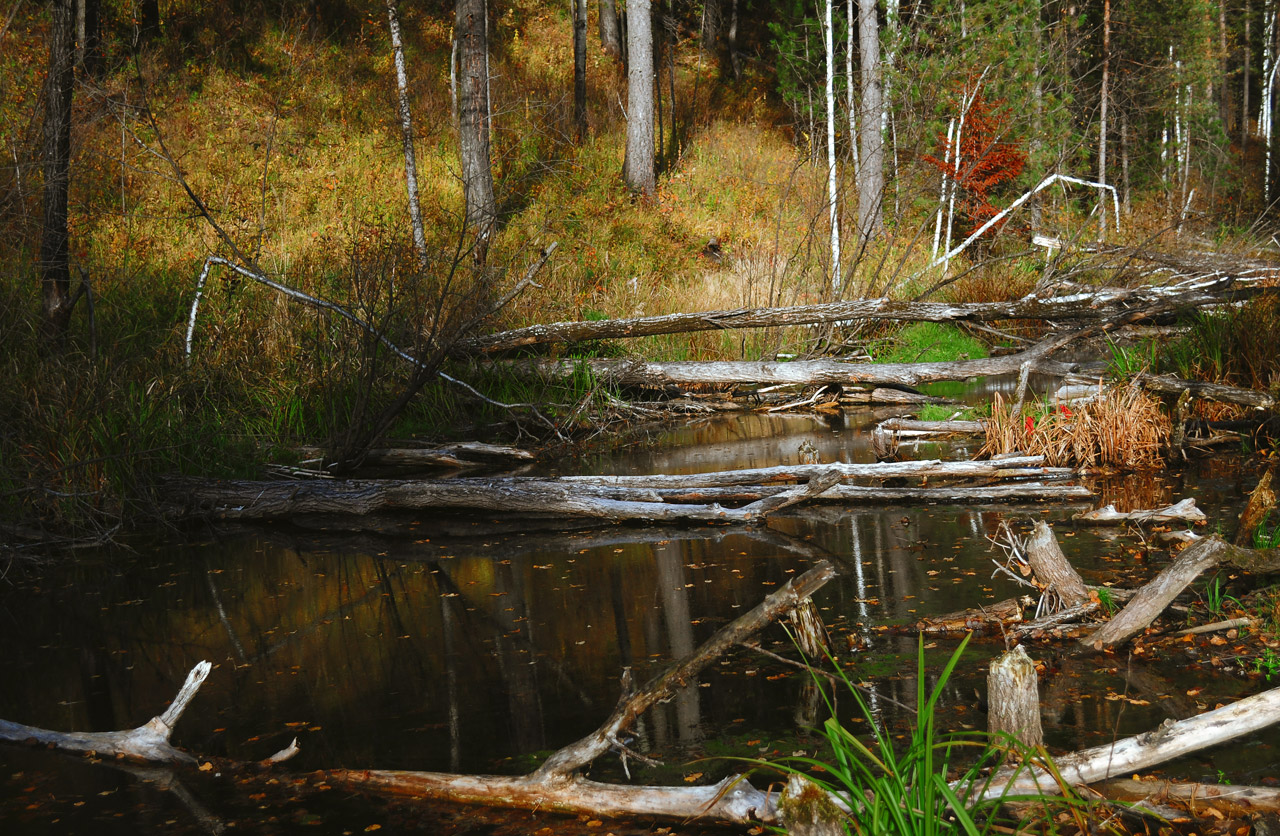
x: 1184, y: 511
x: 556, y: 784
x: 1024, y: 491
x: 1151, y: 600
x: 1013, y: 698
x: 1088, y: 306
x: 1169, y: 385
x: 907, y: 428
x: 148, y: 742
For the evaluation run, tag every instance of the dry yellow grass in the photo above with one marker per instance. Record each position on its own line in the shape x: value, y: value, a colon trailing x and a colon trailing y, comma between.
x: 1122, y: 427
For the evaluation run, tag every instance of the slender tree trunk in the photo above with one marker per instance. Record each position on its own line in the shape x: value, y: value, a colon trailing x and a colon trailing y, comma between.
x: 580, y: 68
x: 638, y: 169
x: 832, y: 194
x: 1102, y: 114
x: 55, y: 269
x: 406, y: 134
x: 712, y: 21
x: 871, y: 172
x: 735, y: 63
x: 1224, y: 69
x: 610, y: 34
x: 849, y: 85
x: 471, y: 30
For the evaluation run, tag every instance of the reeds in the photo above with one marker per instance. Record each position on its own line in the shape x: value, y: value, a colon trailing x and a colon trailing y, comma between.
x: 1122, y: 427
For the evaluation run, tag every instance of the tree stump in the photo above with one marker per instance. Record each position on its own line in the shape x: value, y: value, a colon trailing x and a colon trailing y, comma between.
x: 806, y: 810
x: 1052, y: 572
x: 1013, y: 697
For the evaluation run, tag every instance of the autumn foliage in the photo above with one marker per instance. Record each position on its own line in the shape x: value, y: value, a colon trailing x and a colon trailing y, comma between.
x: 986, y: 159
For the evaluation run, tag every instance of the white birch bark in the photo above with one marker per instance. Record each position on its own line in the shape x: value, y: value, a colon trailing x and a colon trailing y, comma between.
x: 406, y: 132
x: 1102, y: 114
x: 832, y: 195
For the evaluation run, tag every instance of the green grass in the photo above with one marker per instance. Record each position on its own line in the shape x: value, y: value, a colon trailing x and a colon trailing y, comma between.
x: 930, y: 342
x: 1264, y: 538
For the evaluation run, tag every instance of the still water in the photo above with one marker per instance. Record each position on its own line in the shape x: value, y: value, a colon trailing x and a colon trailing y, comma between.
x: 414, y: 647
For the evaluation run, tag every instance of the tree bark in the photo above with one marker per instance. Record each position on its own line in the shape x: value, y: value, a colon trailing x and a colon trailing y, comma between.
x: 638, y: 169
x: 833, y: 206
x: 55, y: 267
x: 580, y: 68
x: 1262, y: 500
x: 406, y: 136
x: 871, y: 142
x: 1102, y: 113
x: 1052, y: 571
x: 471, y: 32
x: 610, y: 34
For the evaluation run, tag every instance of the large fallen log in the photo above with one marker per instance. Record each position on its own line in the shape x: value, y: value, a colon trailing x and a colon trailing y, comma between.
x: 1151, y: 600
x: 1184, y: 511
x: 1229, y: 799
x: 1089, y: 306
x: 612, y: 498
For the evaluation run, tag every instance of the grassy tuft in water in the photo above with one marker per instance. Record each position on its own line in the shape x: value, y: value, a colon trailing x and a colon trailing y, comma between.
x: 930, y: 342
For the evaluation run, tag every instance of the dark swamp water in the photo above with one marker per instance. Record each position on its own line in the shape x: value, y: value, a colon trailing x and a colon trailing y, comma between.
x: 422, y: 649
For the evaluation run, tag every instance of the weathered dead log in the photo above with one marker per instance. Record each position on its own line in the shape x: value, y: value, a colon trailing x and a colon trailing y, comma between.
x: 1184, y: 511
x: 1151, y: 600
x: 1170, y: 385
x: 991, y: 617
x: 1088, y: 306
x: 459, y: 454
x: 556, y: 786
x: 1262, y: 499
x: 1053, y: 573
x: 1029, y: 491
x: 1013, y: 698
x: 1227, y: 799
x: 657, y: 375
x: 1172, y: 739
x: 148, y: 742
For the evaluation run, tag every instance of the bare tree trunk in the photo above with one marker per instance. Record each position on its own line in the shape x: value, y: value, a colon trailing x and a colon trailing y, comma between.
x: 638, y: 170
x: 55, y: 269
x: 828, y: 36
x: 1102, y: 113
x: 610, y: 34
x: 471, y: 31
x: 406, y: 132
x: 871, y: 172
x: 580, y: 68
x: 712, y: 21
x: 734, y: 62
x: 1013, y: 698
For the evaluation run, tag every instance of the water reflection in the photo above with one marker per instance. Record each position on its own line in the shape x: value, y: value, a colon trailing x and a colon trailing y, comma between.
x: 478, y: 653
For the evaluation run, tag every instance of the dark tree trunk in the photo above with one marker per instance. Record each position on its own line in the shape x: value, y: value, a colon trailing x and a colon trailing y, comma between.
x: 639, y: 170
x: 55, y: 270
x: 148, y: 18
x: 610, y: 33
x: 473, y: 120
x: 580, y: 68
x: 712, y: 22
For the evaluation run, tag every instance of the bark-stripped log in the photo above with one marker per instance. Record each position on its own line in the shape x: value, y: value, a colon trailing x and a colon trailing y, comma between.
x: 1184, y: 511
x: 1169, y: 385
x: 148, y: 742
x: 1229, y: 799
x: 1151, y: 600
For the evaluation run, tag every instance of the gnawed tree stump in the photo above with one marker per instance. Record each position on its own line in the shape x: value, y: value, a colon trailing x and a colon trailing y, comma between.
x: 1013, y: 698
x: 807, y: 810
x: 1261, y: 500
x: 1054, y: 574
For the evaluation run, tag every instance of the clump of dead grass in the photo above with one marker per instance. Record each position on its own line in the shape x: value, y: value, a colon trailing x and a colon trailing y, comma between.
x: 1122, y: 427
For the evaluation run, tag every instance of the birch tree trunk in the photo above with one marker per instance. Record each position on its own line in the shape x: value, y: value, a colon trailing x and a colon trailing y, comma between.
x: 850, y: 87
x: 55, y: 269
x: 471, y: 32
x: 610, y: 34
x: 832, y: 194
x: 638, y: 170
x: 406, y: 132
x: 1102, y: 114
x: 871, y: 172
x: 580, y: 68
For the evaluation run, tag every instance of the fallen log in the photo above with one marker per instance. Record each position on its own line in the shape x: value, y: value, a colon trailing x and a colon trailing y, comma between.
x: 1087, y: 306
x: 1228, y: 799
x: 556, y: 785
x: 459, y: 454
x: 1028, y: 491
x: 148, y: 742
x: 1172, y: 739
x: 1184, y: 511
x: 1151, y: 600
x: 907, y: 428
x: 975, y: 619
x: 1170, y: 385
